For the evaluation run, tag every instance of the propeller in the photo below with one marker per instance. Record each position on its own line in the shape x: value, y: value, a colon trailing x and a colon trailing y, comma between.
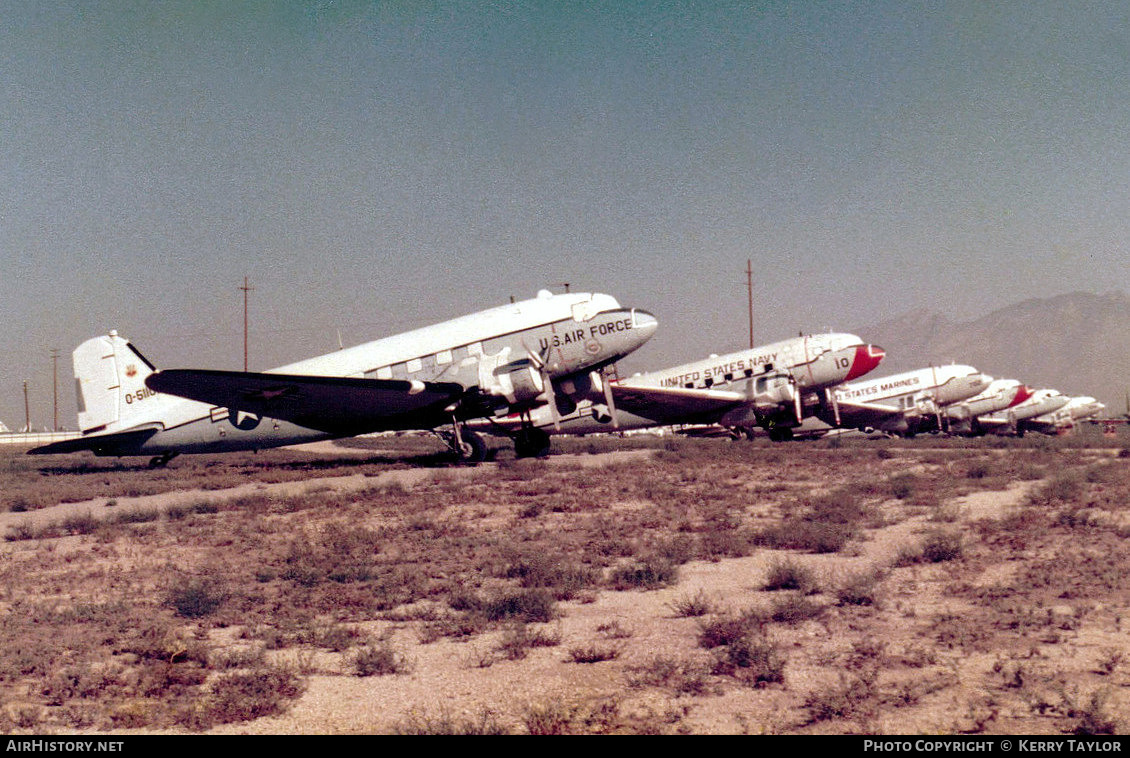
x: 934, y: 399
x: 538, y: 362
x: 830, y: 395
x: 609, y: 400
x: 797, y: 409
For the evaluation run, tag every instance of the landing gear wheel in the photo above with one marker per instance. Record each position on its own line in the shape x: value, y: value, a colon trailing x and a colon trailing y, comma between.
x: 160, y: 461
x: 531, y: 443
x: 780, y: 434
x: 472, y: 449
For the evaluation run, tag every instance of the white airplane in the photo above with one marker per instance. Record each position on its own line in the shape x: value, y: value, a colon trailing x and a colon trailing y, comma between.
x: 905, y: 403
x: 1075, y: 410
x: 772, y: 386
x: 507, y: 359
x: 1000, y: 395
x: 1014, y: 419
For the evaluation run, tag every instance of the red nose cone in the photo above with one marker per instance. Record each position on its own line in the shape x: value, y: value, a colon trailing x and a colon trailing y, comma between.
x: 867, y: 358
x: 1023, y: 392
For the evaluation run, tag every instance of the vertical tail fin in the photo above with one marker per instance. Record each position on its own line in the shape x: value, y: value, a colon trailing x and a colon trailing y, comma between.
x: 110, y: 385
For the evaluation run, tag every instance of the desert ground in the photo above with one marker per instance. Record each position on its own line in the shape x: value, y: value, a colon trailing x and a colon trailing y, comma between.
x: 640, y: 585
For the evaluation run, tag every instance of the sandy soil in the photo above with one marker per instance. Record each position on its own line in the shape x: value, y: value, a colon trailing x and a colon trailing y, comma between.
x: 895, y: 652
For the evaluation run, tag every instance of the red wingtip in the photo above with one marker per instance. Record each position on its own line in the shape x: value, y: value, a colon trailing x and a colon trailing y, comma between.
x: 867, y: 358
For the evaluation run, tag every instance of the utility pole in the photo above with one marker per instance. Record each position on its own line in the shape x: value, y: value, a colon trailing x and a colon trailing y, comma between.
x: 55, y: 386
x: 245, y: 289
x: 27, y: 410
x: 749, y: 286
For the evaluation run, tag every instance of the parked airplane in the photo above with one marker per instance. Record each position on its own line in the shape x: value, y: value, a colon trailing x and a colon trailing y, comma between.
x: 905, y: 403
x: 1110, y: 423
x: 507, y: 359
x: 1076, y: 409
x: 1014, y: 420
x: 1001, y: 394
x: 773, y: 386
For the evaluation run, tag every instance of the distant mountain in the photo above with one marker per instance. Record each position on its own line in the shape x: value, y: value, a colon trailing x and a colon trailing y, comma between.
x: 1078, y: 344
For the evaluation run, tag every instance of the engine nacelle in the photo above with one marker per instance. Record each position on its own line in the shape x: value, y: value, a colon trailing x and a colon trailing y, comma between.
x: 520, y: 386
x: 771, y: 392
x: 926, y: 405
x: 959, y: 414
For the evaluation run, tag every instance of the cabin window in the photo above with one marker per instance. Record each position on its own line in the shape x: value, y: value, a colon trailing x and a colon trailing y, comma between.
x: 709, y: 383
x: 728, y: 377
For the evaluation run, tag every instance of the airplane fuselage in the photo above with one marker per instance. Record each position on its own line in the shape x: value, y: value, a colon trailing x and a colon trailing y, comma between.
x: 812, y: 361
x: 1000, y: 395
x: 1011, y: 420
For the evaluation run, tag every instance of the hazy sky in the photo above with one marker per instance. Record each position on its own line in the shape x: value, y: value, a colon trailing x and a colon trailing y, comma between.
x: 377, y: 166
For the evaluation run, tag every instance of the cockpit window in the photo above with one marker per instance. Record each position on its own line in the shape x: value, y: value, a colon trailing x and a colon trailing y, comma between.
x: 585, y: 310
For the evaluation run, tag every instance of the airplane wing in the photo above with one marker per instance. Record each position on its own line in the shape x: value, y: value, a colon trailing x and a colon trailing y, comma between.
x: 338, y: 405
x: 676, y: 405
x: 853, y: 414
x: 990, y: 422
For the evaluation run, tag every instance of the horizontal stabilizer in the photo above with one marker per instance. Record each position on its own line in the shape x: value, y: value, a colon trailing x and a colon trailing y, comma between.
x: 115, y: 443
x: 337, y: 405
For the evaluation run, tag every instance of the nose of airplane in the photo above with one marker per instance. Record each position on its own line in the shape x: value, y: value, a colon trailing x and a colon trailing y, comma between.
x: 643, y: 325
x: 867, y: 358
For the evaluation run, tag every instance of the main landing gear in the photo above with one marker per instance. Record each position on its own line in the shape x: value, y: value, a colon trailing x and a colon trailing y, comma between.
x: 531, y: 442
x: 162, y: 460
x: 780, y: 433
x: 468, y: 446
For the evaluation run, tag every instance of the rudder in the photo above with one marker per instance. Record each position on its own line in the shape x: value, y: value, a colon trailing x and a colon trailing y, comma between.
x: 110, y: 385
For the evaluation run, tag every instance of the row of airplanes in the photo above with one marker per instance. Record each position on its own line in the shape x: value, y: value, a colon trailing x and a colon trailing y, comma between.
x: 525, y: 371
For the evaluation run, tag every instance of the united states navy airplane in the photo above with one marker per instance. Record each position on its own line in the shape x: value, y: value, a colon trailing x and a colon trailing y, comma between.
x: 905, y: 403
x: 507, y: 359
x: 772, y: 386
